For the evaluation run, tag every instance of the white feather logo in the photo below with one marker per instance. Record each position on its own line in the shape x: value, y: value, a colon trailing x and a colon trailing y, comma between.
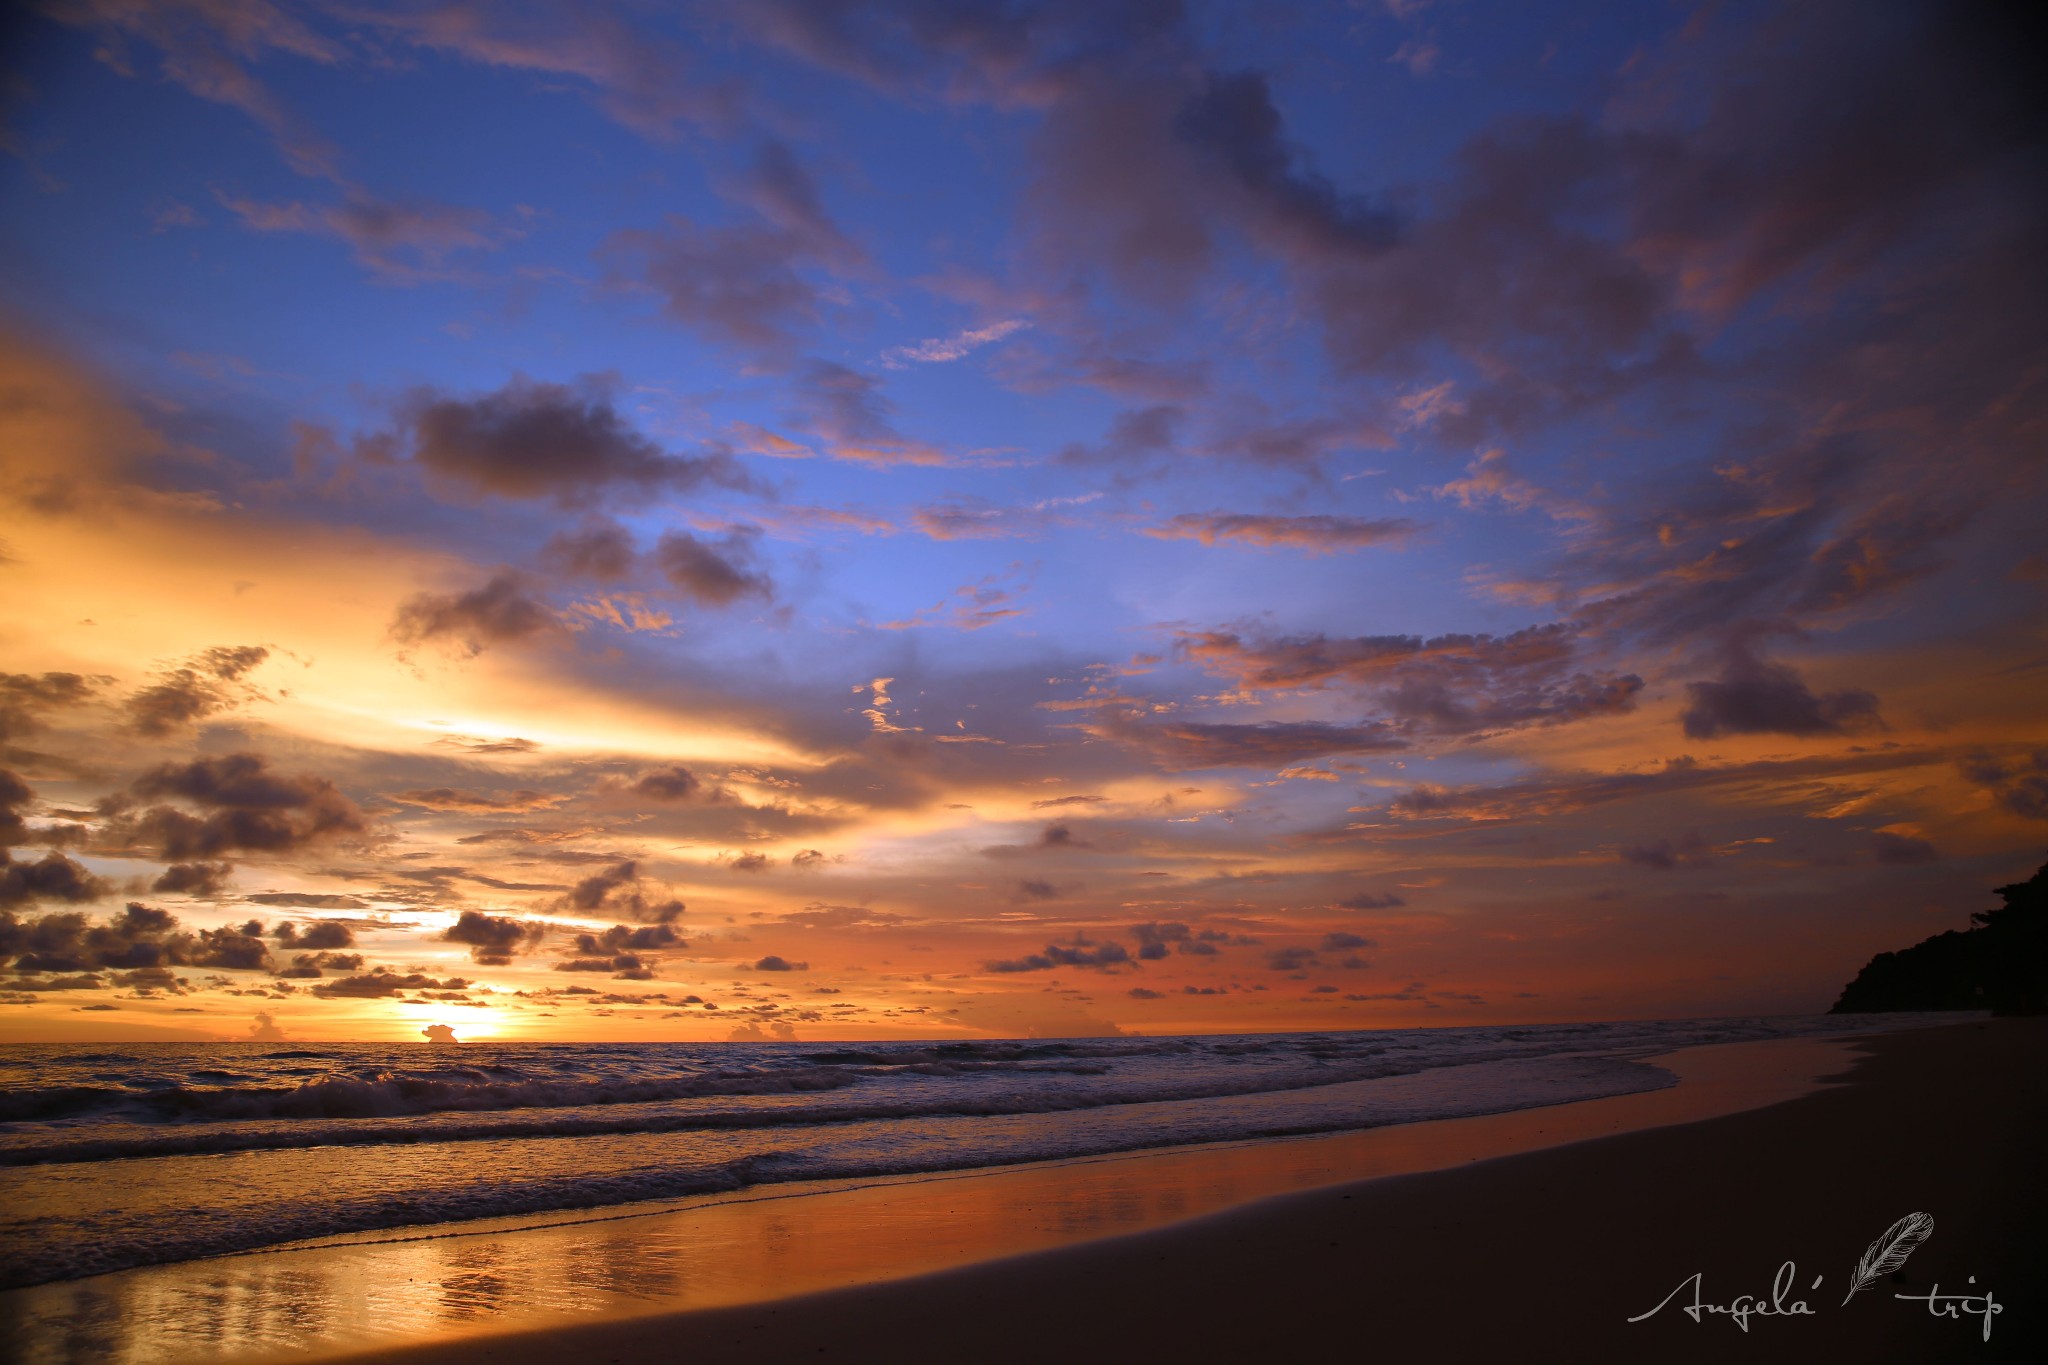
x: 1890, y: 1251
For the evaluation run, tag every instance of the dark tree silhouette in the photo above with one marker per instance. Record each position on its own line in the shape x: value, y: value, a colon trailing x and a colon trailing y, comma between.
x: 2000, y: 963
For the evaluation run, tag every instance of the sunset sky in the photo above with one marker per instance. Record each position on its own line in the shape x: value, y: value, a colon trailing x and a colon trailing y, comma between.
x: 826, y: 519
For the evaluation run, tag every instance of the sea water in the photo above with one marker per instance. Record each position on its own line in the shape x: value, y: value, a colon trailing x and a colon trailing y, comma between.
x: 114, y: 1156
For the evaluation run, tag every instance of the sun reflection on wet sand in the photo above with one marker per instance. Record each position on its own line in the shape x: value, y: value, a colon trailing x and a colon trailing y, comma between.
x: 346, y: 1295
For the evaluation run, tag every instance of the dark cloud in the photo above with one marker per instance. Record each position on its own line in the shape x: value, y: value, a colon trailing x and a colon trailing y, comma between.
x: 1182, y: 745
x: 1897, y: 215
x: 1249, y: 429
x: 1891, y: 115
x: 1080, y: 953
x: 1141, y: 993
x: 962, y: 518
x: 1745, y: 551
x: 750, y: 862
x: 16, y: 796
x: 1134, y: 439
x: 1061, y: 837
x: 24, y: 698
x: 1338, y: 941
x: 383, y: 984
x: 1156, y: 940
x: 1902, y: 850
x: 244, y: 805
x: 849, y: 414
x: 1755, y: 697
x: 619, y: 888
x: 622, y: 966
x: 1451, y: 684
x: 1824, y: 775
x: 1118, y: 195
x: 230, y: 947
x: 599, y: 549
x: 2019, y: 784
x: 500, y: 611
x: 1427, y: 800
x: 459, y: 799
x: 1501, y: 269
x: 53, y: 876
x: 622, y: 938
x: 89, y: 982
x: 140, y: 936
x: 1875, y: 552
x: 164, y: 707
x: 204, y: 685
x: 193, y: 879
x: 1367, y: 900
x: 1149, y: 170
x: 675, y: 783
x: 781, y: 191
x: 1316, y: 534
x: 230, y: 663
x: 538, y: 440
x: 1233, y: 127
x: 1091, y: 361
x: 772, y: 963
x: 147, y: 981
x: 1666, y: 856
x: 404, y: 240
x: 735, y: 286
x: 1292, y: 959
x: 493, y: 940
x: 1505, y: 267
x: 1051, y: 839
x: 717, y: 572
x: 752, y: 286
x: 319, y: 933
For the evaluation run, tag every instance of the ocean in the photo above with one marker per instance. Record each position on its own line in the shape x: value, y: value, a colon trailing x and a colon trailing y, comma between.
x: 120, y: 1156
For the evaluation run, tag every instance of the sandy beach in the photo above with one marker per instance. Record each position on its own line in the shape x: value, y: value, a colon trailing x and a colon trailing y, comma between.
x: 1542, y: 1255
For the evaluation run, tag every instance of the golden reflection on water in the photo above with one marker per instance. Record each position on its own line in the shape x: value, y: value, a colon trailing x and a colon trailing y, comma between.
x: 342, y: 1296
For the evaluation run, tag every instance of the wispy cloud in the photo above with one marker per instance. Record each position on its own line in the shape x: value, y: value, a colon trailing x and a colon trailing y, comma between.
x: 939, y: 350
x: 1318, y: 534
